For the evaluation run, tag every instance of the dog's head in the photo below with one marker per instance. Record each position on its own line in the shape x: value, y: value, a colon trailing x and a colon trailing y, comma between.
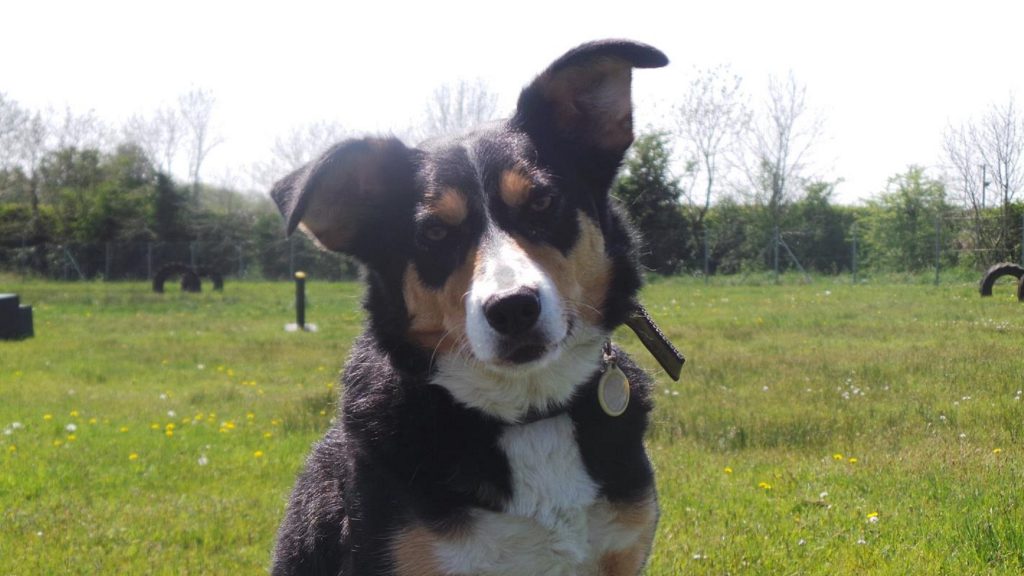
x: 495, y: 258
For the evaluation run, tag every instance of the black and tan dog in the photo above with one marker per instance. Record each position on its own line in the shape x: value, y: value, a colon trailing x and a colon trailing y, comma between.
x: 476, y: 435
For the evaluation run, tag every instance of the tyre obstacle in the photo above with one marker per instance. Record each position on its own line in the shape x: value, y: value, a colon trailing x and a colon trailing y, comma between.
x: 190, y: 278
x: 997, y: 271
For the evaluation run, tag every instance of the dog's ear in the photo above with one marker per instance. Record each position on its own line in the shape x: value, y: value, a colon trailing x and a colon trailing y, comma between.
x: 586, y: 95
x: 351, y: 198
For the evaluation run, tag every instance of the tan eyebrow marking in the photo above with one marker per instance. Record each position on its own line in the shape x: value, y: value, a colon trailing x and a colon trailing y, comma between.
x: 449, y: 205
x: 515, y: 187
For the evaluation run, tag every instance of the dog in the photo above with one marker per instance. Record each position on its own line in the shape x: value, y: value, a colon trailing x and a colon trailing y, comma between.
x: 474, y: 435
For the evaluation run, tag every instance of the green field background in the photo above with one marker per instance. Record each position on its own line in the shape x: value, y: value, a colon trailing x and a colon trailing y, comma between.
x: 818, y: 428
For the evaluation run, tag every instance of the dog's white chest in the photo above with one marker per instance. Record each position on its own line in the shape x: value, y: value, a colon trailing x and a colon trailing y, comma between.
x: 548, y: 527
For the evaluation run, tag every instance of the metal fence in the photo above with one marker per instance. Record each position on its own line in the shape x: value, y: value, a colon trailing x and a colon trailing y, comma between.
x: 951, y: 245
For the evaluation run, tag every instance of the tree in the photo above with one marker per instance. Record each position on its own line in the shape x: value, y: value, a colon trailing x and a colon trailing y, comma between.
x: 989, y: 149
x: 456, y: 107
x: 651, y: 193
x: 778, y: 144
x: 299, y: 146
x: 196, y: 110
x: 710, y: 121
x: 160, y: 136
x: 901, y: 224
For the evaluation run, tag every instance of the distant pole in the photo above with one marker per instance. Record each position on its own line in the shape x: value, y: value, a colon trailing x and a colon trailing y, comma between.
x: 853, y: 255
x: 938, y: 247
x: 109, y: 257
x: 707, y: 256
x: 300, y: 300
x: 775, y: 253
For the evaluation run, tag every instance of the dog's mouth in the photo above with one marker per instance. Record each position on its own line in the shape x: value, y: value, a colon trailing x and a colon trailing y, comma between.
x: 532, y: 348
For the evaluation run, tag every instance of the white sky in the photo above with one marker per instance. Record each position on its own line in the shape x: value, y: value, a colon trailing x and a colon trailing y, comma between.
x: 886, y: 76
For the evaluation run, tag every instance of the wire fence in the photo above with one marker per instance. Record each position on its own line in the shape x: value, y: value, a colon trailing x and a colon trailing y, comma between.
x: 948, y: 244
x: 144, y: 260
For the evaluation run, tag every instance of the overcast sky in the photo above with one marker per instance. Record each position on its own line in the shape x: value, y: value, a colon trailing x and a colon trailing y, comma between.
x: 887, y: 77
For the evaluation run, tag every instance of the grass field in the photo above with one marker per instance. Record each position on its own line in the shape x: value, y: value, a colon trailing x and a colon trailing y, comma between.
x: 818, y: 429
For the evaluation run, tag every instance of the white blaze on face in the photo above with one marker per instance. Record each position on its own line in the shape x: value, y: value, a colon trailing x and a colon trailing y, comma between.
x: 503, y: 267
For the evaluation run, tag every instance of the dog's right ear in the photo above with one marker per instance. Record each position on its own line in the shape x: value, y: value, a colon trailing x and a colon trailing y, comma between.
x: 351, y: 198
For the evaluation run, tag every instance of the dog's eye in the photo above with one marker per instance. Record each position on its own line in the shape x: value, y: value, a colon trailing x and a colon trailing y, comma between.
x: 435, y: 233
x: 541, y: 203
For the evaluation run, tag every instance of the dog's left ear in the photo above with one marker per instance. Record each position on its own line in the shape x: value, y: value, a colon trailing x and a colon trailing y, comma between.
x: 584, y: 97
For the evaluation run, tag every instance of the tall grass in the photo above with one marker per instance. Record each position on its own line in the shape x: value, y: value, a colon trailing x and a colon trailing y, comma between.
x: 818, y: 429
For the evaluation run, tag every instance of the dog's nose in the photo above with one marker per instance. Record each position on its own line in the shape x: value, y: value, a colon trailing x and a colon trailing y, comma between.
x: 513, y: 312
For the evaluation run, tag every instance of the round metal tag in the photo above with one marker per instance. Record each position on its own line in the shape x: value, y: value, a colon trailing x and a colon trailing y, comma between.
x: 613, y: 391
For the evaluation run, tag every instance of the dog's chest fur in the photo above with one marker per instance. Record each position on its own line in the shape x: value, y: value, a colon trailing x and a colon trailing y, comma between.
x: 555, y: 523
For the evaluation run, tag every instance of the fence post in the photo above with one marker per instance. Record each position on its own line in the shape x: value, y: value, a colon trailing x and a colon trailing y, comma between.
x: 106, y: 262
x: 707, y: 256
x: 853, y: 255
x: 938, y: 247
x: 775, y: 253
x: 149, y: 260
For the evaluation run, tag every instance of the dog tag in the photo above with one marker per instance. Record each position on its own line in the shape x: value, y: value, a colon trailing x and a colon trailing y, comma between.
x: 613, y: 391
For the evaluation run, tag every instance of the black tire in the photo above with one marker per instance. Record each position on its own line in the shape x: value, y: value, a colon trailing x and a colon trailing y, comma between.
x: 214, y: 276
x: 189, y: 278
x: 996, y: 272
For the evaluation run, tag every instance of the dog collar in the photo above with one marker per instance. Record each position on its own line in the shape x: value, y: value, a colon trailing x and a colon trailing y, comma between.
x: 670, y: 359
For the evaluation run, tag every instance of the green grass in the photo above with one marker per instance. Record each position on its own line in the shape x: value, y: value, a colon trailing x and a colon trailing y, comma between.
x: 783, y: 387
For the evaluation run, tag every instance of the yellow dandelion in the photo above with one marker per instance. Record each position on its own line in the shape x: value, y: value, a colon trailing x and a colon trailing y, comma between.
x: 12, y: 448
x: 169, y: 433
x: 57, y: 443
x: 837, y: 456
x: 74, y: 413
x: 250, y: 416
x: 47, y: 417
x: 170, y: 426
x: 258, y: 454
x: 154, y: 426
x: 872, y: 515
x: 275, y: 422
x: 259, y: 392
x: 123, y: 429
x: 853, y: 460
x: 323, y: 412
x: 764, y: 486
x: 728, y: 470
x: 72, y: 437
x: 92, y: 420
x: 133, y: 456
x: 267, y: 434
x: 997, y: 450
x: 230, y: 372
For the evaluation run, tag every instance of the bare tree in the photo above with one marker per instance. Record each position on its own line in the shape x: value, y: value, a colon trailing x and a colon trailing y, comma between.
x: 778, y: 144
x: 159, y: 135
x: 80, y: 131
x: 12, y: 118
x: 458, y: 106
x: 196, y: 110
x: 299, y: 146
x: 710, y: 121
x: 992, y: 148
